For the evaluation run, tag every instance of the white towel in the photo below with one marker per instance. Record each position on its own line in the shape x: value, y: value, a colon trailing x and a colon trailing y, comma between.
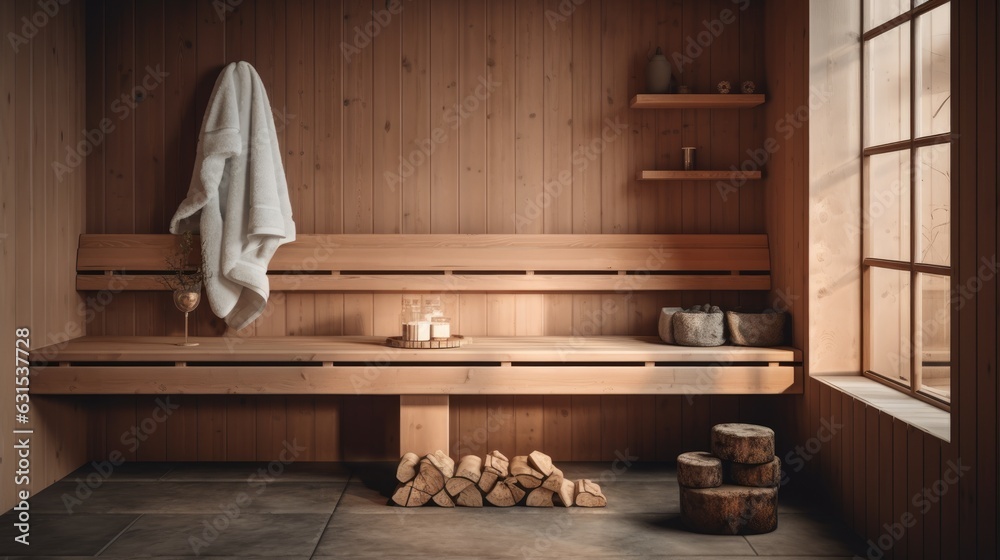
x: 238, y: 197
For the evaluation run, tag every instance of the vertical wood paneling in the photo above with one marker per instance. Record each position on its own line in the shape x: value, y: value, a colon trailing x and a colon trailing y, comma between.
x: 386, y: 125
x: 349, y: 110
x: 529, y: 423
x: 557, y: 429
x: 474, y: 92
x: 446, y: 115
x: 529, y: 80
x: 357, y: 115
x: 182, y: 429
x: 328, y: 423
x: 300, y: 429
x: 500, y: 124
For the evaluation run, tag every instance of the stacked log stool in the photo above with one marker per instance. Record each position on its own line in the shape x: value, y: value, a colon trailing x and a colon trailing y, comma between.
x: 734, y: 489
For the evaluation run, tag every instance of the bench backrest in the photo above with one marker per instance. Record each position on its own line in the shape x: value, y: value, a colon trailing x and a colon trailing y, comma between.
x: 460, y: 262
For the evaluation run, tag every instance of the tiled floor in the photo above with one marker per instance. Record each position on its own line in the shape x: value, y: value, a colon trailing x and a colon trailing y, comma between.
x: 229, y: 510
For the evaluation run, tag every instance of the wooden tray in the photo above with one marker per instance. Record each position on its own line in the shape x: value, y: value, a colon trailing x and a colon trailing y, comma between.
x: 453, y: 341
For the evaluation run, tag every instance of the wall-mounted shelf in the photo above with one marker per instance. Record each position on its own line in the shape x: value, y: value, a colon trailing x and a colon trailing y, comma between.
x: 695, y: 175
x: 696, y: 100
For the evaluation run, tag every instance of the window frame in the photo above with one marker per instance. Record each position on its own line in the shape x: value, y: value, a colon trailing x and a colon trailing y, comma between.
x: 912, y: 267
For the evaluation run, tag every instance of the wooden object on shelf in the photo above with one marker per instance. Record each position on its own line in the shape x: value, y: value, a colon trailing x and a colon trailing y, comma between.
x: 696, y: 175
x: 696, y: 101
x: 454, y: 341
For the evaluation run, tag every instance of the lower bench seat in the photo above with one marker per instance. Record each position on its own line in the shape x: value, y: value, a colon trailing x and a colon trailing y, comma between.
x: 557, y: 365
x: 365, y: 365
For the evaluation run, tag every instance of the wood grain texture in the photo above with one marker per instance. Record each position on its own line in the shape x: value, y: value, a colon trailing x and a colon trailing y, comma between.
x: 42, y: 81
x: 351, y: 147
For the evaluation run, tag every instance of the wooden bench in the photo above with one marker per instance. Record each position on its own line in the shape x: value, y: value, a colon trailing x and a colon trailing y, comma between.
x: 425, y: 378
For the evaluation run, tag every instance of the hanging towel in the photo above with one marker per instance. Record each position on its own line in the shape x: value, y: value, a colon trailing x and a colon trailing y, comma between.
x: 238, y: 197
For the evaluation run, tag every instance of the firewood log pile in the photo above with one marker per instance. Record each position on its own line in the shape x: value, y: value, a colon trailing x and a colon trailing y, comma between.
x: 530, y: 480
x: 734, y: 489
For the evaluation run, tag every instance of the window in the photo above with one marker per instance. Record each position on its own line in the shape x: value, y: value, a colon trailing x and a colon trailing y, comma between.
x: 906, y: 194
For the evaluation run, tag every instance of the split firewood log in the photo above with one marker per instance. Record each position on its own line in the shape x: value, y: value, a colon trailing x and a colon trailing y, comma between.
x: 470, y: 497
x: 528, y: 477
x: 408, y: 496
x: 497, y: 462
x: 505, y: 493
x: 468, y: 472
x: 541, y: 462
x: 407, y: 468
x: 539, y: 497
x: 495, y: 467
x: 487, y: 481
x: 588, y: 494
x: 433, y: 472
x: 443, y: 499
x: 567, y: 493
x: 554, y: 481
x: 442, y: 462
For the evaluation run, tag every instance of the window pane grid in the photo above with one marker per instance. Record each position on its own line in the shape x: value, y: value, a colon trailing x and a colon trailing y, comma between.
x: 906, y: 195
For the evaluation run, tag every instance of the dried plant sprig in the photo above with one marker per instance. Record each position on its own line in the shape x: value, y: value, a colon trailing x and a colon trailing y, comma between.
x: 184, y: 277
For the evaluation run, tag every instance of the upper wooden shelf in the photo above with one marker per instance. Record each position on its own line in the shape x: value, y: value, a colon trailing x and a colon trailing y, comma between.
x: 696, y: 100
x: 664, y: 175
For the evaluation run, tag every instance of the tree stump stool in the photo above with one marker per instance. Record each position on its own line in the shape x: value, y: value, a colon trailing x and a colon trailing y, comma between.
x: 743, y: 457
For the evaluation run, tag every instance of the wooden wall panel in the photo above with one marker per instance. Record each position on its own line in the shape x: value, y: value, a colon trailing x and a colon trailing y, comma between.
x: 372, y: 141
x: 891, y: 468
x: 42, y: 213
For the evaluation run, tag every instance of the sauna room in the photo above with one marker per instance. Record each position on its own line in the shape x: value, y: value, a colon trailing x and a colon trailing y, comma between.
x: 499, y: 278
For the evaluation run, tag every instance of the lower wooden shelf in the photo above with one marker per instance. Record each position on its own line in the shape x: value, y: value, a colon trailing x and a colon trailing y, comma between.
x: 662, y: 175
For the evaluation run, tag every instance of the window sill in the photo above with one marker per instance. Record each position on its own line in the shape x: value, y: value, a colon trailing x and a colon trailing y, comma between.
x: 916, y: 413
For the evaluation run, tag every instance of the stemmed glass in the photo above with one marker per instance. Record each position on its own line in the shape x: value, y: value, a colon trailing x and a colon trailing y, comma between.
x: 187, y: 301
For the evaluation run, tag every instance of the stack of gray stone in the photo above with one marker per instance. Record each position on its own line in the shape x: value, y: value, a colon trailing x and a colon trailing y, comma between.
x: 734, y: 489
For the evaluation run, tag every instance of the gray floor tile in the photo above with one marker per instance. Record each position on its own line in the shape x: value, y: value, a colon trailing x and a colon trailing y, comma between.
x: 240, y: 472
x: 507, y: 532
x: 191, y: 497
x: 611, y: 471
x: 623, y: 497
x: 62, y: 535
x: 247, y: 535
x: 125, y: 472
x: 805, y: 534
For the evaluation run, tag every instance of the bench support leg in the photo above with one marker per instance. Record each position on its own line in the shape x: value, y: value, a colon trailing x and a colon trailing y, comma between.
x: 423, y: 424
